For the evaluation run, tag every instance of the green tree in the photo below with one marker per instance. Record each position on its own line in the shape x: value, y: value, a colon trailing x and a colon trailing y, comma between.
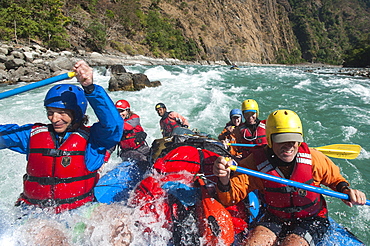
x: 98, y: 34
x: 163, y: 37
x: 34, y: 19
x: 359, y: 56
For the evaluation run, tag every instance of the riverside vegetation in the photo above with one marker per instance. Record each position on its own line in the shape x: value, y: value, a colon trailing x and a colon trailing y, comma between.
x: 257, y: 31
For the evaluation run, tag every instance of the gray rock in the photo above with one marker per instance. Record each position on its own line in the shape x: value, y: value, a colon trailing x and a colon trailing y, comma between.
x: 3, y: 58
x: 4, y: 76
x: 140, y: 81
x: 121, y: 80
x: 61, y: 63
x: 30, y: 56
x: 4, y: 50
x: 39, y: 48
x: 14, y: 63
x: 117, y: 69
x: 17, y: 54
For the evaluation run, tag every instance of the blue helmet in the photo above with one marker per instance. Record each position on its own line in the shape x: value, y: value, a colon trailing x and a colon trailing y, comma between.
x: 236, y: 111
x: 68, y: 97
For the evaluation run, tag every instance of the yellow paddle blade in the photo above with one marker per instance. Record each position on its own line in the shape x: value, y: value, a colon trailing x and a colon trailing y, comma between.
x: 342, y: 151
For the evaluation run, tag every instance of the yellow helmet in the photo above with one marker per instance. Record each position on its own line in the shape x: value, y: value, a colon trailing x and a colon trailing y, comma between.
x: 250, y: 105
x: 283, y: 121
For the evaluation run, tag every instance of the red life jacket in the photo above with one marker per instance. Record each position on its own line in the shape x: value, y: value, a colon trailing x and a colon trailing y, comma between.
x: 257, y: 137
x: 57, y: 177
x: 167, y: 125
x: 128, y: 140
x: 288, y: 202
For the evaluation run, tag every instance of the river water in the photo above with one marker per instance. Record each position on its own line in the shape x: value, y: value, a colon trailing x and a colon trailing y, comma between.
x: 333, y: 109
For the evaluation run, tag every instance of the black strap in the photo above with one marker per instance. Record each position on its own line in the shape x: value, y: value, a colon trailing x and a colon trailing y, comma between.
x: 184, y: 161
x: 55, y: 152
x: 56, y: 202
x: 294, y: 209
x: 55, y: 180
x: 201, y: 158
x: 286, y: 189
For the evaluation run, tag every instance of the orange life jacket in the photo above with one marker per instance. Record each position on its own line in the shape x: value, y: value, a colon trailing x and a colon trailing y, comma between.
x: 288, y: 202
x: 57, y: 177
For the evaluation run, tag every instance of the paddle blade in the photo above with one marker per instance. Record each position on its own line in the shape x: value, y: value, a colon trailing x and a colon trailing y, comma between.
x: 214, y: 221
x: 342, y: 151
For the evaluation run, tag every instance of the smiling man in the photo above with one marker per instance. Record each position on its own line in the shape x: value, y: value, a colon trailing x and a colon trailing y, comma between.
x: 170, y: 120
x: 63, y: 157
x: 293, y: 216
x: 252, y: 130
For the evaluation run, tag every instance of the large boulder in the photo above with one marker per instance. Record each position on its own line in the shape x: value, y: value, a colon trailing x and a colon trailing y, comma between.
x: 122, y: 81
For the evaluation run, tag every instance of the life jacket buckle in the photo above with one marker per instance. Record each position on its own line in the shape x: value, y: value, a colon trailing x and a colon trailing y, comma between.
x: 48, y: 203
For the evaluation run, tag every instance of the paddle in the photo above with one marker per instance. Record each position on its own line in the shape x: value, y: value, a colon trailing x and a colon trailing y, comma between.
x: 35, y: 85
x: 341, y: 151
x: 292, y: 183
x: 215, y: 223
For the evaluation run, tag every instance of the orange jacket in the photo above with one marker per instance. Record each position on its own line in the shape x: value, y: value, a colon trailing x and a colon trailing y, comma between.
x: 324, y: 171
x: 226, y: 134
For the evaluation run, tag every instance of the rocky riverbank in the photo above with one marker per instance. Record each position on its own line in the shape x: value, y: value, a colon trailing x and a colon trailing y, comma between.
x: 32, y: 63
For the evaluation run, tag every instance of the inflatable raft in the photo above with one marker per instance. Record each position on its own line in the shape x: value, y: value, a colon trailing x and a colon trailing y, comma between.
x: 181, y: 189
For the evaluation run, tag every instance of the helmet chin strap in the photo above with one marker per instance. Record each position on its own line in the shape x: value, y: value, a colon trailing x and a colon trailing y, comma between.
x: 73, y: 126
x: 276, y: 161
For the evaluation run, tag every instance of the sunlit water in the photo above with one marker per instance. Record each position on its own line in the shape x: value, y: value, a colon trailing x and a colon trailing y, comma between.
x: 333, y: 109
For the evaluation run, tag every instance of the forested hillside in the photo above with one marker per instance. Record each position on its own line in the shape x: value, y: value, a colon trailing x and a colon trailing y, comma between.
x: 260, y: 31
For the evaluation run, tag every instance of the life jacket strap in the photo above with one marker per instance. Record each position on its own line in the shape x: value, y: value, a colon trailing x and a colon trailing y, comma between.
x: 56, y: 152
x: 294, y: 209
x: 286, y: 189
x: 57, y: 202
x: 55, y: 180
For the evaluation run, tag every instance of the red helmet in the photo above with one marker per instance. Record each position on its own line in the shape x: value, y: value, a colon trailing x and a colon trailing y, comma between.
x: 122, y: 104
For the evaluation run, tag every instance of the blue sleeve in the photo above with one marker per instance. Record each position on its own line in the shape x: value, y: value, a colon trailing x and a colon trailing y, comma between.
x: 104, y: 134
x: 15, y: 137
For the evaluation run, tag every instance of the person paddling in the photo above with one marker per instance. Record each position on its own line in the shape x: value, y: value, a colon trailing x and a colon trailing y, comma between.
x: 228, y: 133
x: 252, y: 131
x: 63, y: 157
x: 170, y: 120
x: 132, y: 145
x: 294, y: 216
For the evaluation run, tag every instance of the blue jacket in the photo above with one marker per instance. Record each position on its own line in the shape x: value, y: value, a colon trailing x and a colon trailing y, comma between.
x: 103, y: 135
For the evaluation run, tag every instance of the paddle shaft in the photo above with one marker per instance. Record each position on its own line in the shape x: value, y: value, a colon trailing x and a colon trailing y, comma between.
x: 35, y: 85
x: 242, y: 145
x: 292, y: 183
